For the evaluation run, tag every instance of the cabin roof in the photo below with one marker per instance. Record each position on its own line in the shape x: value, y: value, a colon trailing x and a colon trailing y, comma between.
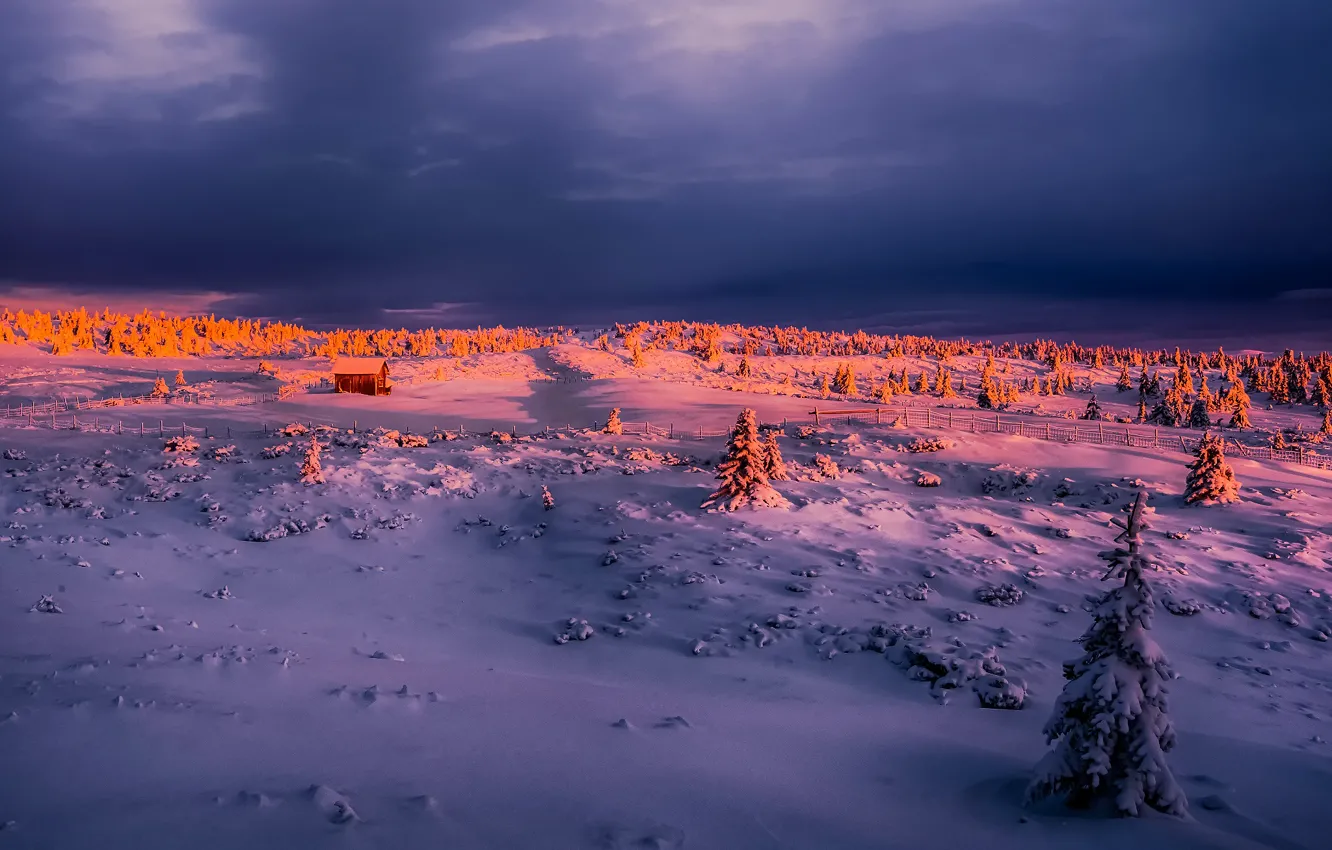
x: 358, y: 365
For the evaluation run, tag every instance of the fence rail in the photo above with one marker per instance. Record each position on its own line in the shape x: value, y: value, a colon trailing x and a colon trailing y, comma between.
x: 34, y: 412
x: 1099, y: 433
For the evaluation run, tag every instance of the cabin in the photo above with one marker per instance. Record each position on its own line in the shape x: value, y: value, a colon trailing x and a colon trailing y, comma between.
x: 365, y: 375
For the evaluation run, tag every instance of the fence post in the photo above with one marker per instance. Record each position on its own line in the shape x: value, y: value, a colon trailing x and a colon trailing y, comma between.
x: 1156, y: 438
x: 228, y: 432
x: 996, y: 423
x: 1047, y: 430
x: 672, y: 433
x: 161, y: 428
x: 182, y: 428
x: 141, y: 428
x: 928, y: 419
x: 877, y: 418
x: 816, y: 416
x: 1100, y: 432
x: 206, y: 432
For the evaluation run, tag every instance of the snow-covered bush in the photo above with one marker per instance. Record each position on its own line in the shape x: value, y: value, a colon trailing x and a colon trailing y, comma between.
x: 613, y: 424
x: 223, y: 453
x: 413, y: 441
x: 928, y: 444
x: 277, y: 451
x: 574, y: 629
x: 1110, y: 725
x: 1211, y: 480
x: 743, y: 476
x: 547, y: 500
x: 160, y: 388
x: 928, y: 479
x: 999, y: 595
x: 46, y: 605
x: 295, y: 429
x: 312, y: 471
x: 183, y: 443
x: 1005, y: 479
x: 826, y: 467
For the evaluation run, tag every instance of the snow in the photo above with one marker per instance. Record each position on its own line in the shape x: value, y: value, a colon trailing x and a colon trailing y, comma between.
x: 202, y: 651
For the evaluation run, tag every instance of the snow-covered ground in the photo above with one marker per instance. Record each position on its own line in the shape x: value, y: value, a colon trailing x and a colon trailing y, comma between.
x: 393, y: 658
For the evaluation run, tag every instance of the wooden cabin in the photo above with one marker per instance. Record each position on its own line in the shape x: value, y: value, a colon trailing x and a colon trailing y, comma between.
x: 365, y: 375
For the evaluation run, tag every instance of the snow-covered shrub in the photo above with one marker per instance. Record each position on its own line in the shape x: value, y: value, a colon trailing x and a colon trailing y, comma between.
x: 183, y: 443
x: 1211, y: 480
x: 501, y: 437
x: 14, y: 454
x: 928, y: 444
x: 743, y: 476
x: 547, y: 499
x: 805, y: 432
x: 574, y: 629
x: 613, y: 424
x: 46, y: 605
x: 999, y: 595
x: 1181, y: 607
x: 1110, y: 725
x: 1004, y: 479
x: 275, y: 451
x: 826, y: 467
x: 312, y: 471
x: 160, y: 388
x: 413, y: 441
x: 949, y: 665
x: 223, y: 453
x: 928, y: 479
x: 295, y: 429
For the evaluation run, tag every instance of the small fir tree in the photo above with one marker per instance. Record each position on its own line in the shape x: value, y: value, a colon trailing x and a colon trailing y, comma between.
x: 825, y: 389
x: 923, y: 385
x: 773, y: 462
x: 1125, y: 383
x: 547, y: 500
x: 1110, y: 725
x: 1198, y: 416
x: 160, y: 387
x: 312, y: 472
x: 1211, y: 480
x: 180, y: 377
x: 743, y: 474
x: 744, y: 370
x: 1326, y: 429
x: 1093, y: 410
x: 885, y: 394
x: 613, y: 423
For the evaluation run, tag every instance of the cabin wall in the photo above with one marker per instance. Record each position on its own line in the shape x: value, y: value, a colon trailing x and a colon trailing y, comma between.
x: 363, y: 384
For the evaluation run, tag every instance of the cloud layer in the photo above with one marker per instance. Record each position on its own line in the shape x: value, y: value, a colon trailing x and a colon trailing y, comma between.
x: 547, y: 156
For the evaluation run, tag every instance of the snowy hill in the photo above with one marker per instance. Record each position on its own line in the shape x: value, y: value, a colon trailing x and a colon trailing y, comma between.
x: 418, y: 653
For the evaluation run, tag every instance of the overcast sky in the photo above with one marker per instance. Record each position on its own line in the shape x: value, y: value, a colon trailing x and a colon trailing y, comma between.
x: 550, y: 160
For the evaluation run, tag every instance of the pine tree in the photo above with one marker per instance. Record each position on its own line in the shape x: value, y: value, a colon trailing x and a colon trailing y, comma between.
x: 825, y: 389
x: 1142, y: 409
x: 1093, y: 410
x: 886, y: 391
x: 1211, y: 480
x: 773, y: 462
x: 1125, y: 383
x: 743, y: 474
x: 844, y: 382
x: 744, y: 370
x: 1326, y: 429
x: 160, y: 387
x: 1279, y: 441
x: 311, y: 470
x: 923, y: 385
x: 1110, y: 725
x: 180, y: 377
x: 547, y: 500
x: 1198, y: 417
x: 613, y: 423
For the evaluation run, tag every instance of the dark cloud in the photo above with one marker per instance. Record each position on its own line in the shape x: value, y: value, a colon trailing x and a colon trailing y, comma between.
x: 548, y: 159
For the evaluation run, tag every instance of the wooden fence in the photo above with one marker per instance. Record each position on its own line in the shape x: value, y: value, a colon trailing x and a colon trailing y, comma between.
x: 1098, y: 433
x: 34, y: 413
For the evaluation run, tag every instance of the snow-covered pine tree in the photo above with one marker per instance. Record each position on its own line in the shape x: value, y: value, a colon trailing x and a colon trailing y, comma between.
x: 1110, y: 726
x: 947, y: 391
x: 1093, y: 410
x: 773, y: 462
x: 1326, y: 428
x: 1211, y: 480
x: 885, y: 394
x: 923, y: 385
x: 160, y: 387
x: 312, y: 472
x: 613, y: 423
x: 547, y: 500
x: 180, y: 377
x: 1125, y: 383
x: 744, y: 370
x: 1198, y: 417
x: 1142, y: 409
x: 1279, y: 441
x: 825, y: 389
x: 743, y: 476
